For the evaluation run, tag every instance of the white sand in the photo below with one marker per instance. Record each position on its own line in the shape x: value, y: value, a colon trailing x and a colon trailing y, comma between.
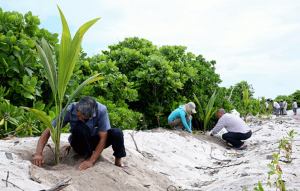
x: 175, y: 158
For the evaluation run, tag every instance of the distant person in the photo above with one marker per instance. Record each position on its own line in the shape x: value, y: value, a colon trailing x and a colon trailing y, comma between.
x: 267, y: 104
x: 281, y: 107
x: 181, y: 117
x: 276, y: 107
x: 285, y: 106
x: 237, y: 129
x: 295, y: 107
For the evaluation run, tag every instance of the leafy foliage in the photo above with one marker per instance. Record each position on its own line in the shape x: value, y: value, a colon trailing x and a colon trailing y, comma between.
x: 20, y: 69
x: 164, y: 77
x: 119, y: 114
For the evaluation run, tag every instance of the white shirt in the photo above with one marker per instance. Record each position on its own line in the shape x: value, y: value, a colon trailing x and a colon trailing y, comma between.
x: 276, y: 105
x: 232, y: 123
x: 285, y: 104
x: 267, y: 105
x: 295, y: 105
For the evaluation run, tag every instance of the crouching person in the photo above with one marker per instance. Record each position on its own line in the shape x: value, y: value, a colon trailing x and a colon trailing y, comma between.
x: 91, y: 133
x: 237, y: 128
x: 181, y: 117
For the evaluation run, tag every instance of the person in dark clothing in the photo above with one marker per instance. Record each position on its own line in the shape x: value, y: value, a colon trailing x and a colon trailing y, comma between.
x: 91, y: 133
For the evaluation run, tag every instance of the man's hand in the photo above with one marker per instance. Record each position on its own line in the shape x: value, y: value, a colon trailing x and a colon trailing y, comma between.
x: 38, y: 160
x: 85, y: 165
x: 211, y: 134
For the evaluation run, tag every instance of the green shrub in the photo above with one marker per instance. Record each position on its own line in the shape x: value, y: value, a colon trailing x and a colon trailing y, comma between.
x: 119, y: 114
x: 20, y: 69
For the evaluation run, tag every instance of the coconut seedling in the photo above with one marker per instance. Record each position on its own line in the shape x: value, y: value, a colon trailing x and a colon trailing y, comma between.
x: 208, y: 112
x: 69, y: 50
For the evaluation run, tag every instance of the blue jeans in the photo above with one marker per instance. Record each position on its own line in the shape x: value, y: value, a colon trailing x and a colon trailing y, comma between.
x: 235, y: 138
x: 83, y: 143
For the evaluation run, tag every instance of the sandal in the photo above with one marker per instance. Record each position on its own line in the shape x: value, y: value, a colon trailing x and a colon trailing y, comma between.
x: 240, y: 148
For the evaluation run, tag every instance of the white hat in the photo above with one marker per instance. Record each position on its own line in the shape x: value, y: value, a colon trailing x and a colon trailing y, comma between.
x: 189, y: 107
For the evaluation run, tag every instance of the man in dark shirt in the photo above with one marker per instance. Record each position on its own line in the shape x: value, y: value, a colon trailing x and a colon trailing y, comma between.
x: 91, y: 133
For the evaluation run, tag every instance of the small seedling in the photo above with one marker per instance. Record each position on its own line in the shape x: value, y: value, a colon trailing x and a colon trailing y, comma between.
x: 259, y: 187
x: 275, y: 169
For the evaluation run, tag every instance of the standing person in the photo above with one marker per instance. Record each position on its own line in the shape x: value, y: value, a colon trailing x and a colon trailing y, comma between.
x: 267, y: 104
x: 237, y: 128
x: 276, y: 107
x: 295, y: 107
x: 181, y: 117
x: 285, y: 107
x: 281, y: 107
x: 91, y: 133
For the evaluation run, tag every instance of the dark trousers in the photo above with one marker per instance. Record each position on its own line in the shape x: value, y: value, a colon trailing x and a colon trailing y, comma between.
x: 281, y: 111
x: 235, y: 138
x: 83, y: 143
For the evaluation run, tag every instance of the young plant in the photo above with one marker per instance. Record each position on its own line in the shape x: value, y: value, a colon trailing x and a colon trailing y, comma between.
x: 245, y: 109
x: 69, y: 49
x: 208, y: 113
x: 291, y: 135
x: 284, y: 144
x: 275, y: 169
x: 29, y: 122
x: 9, y: 114
x: 259, y: 187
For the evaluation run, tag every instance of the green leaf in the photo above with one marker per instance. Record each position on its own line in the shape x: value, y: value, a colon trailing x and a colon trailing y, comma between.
x: 29, y: 71
x: 68, y: 53
x: 24, y: 42
x: 25, y: 80
x: 33, y: 82
x: 16, y: 53
x: 1, y: 27
x: 12, y: 18
x: 37, y: 92
x: 20, y: 61
x: 30, y: 43
x: 48, y: 66
x: 13, y: 39
x: 42, y: 117
x: 30, y: 89
x: 28, y: 95
x: 96, y: 79
x: 17, y: 48
x: 5, y: 63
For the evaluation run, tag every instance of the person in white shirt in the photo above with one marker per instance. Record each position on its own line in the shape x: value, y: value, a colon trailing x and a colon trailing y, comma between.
x: 295, y: 107
x: 276, y: 106
x: 267, y: 104
x: 285, y: 106
x: 237, y: 129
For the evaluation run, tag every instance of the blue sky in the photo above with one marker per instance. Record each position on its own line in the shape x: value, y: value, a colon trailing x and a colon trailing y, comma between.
x: 255, y: 41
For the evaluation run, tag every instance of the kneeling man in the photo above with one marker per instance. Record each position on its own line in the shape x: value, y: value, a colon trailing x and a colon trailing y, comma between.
x: 237, y: 129
x: 91, y: 133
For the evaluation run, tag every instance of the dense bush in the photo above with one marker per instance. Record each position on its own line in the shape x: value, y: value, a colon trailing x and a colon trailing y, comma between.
x: 165, y: 78
x: 20, y: 68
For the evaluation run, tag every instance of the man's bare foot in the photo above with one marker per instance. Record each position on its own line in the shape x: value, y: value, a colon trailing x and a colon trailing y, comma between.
x: 243, y: 146
x: 118, y: 161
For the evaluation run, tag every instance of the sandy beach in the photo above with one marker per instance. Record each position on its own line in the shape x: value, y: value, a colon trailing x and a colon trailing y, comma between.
x: 166, y: 159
